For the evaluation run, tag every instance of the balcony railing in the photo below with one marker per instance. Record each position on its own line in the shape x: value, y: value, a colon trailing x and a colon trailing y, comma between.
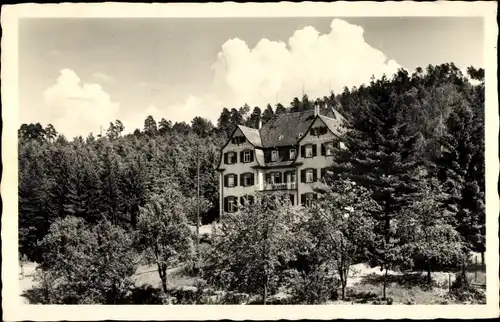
x: 280, y: 186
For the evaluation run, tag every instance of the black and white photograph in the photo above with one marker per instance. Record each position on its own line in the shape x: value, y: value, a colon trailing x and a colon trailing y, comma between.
x: 309, y: 158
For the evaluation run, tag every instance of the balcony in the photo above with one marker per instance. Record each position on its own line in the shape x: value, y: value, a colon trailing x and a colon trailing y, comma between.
x: 280, y: 186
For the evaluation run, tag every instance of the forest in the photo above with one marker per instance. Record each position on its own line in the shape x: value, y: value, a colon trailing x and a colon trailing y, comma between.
x: 407, y: 195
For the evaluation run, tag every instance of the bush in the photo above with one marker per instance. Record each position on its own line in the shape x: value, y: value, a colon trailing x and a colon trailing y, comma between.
x: 85, y: 265
x: 313, y: 288
x: 463, y: 290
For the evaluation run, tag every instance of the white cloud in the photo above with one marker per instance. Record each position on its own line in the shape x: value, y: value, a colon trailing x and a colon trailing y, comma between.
x: 77, y: 108
x: 104, y: 77
x: 315, y: 62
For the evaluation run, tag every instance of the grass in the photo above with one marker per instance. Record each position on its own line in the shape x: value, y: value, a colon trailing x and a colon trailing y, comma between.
x: 148, y: 275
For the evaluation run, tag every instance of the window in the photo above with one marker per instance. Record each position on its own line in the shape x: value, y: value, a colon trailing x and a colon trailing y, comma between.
x: 231, y: 157
x: 300, y: 135
x: 230, y: 181
x: 247, y: 180
x: 329, y: 148
x: 274, y: 155
x: 238, y: 140
x: 292, y: 154
x: 309, y: 175
x: 246, y: 156
x: 309, y: 199
x: 309, y: 151
x: 231, y: 205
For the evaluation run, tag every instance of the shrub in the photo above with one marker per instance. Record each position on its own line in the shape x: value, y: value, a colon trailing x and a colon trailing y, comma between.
x: 85, y: 265
x: 463, y: 290
x: 313, y: 288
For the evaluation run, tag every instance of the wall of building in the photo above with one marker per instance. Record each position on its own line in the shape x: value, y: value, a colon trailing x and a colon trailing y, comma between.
x: 316, y: 162
x: 238, y: 168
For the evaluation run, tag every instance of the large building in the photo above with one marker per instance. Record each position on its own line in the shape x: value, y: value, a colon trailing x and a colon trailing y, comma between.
x: 287, y: 154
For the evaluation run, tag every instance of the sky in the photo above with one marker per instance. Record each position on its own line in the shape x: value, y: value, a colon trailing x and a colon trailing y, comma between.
x: 82, y: 74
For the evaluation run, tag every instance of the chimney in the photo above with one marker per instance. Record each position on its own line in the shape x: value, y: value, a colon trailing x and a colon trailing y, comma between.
x: 260, y: 124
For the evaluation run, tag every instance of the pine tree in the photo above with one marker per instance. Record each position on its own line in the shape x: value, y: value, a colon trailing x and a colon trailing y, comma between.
x: 150, y: 128
x: 379, y: 157
x: 267, y: 114
x: 254, y: 119
x: 458, y: 166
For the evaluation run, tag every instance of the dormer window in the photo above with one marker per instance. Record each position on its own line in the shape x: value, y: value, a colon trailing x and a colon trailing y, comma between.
x: 292, y: 154
x: 274, y: 155
x: 238, y: 140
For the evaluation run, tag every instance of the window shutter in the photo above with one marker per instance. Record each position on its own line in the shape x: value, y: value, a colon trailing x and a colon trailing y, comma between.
x: 285, y: 177
x: 242, y: 159
x: 235, y: 180
x: 314, y: 150
x: 242, y: 181
x: 303, y: 199
x: 302, y: 176
x: 315, y: 196
x: 242, y: 200
x: 225, y: 180
x: 225, y: 158
x: 325, y: 130
x: 252, y: 179
x: 323, y: 150
x: 315, y: 175
x: 291, y: 199
x: 303, y: 151
x: 225, y: 204
x: 251, y: 156
x: 268, y: 177
x: 313, y: 131
x: 323, y: 172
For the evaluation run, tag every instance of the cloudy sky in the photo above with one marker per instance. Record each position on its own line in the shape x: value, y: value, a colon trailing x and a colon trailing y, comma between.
x: 80, y: 74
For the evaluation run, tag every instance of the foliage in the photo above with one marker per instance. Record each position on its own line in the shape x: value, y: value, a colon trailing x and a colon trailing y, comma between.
x: 85, y: 265
x: 315, y: 287
x: 431, y: 119
x: 341, y: 227
x: 428, y: 231
x: 254, y: 244
x: 164, y: 234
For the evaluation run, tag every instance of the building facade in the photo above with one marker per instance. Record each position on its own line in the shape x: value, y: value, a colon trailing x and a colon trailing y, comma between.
x: 288, y: 154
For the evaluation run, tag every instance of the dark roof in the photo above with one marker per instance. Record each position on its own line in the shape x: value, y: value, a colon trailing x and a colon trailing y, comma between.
x: 284, y: 130
x: 252, y: 135
x: 289, y: 126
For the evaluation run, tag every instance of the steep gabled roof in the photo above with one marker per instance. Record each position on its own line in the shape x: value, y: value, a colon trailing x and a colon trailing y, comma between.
x: 252, y: 135
x: 333, y: 125
x: 289, y: 126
